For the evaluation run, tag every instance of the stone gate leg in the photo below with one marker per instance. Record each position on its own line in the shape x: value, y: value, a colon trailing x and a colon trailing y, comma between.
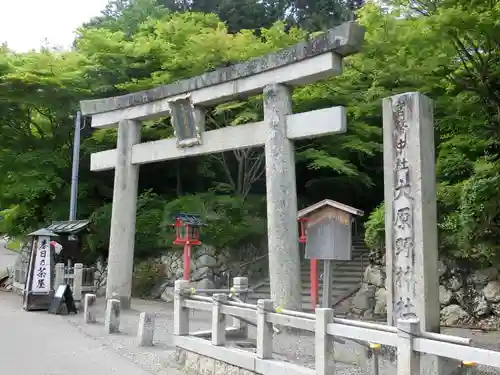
x: 282, y: 229
x: 123, y: 215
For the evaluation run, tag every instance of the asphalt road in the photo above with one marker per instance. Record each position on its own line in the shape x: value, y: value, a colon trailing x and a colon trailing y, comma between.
x: 36, y: 343
x: 7, y: 258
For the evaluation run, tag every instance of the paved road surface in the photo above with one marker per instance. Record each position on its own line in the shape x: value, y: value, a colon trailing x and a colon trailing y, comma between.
x: 7, y: 257
x: 36, y: 343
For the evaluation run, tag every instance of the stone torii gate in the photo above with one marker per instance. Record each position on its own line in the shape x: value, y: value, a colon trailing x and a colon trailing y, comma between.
x: 273, y: 75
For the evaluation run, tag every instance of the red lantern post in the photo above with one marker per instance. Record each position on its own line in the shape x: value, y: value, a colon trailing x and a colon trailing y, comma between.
x: 313, y: 264
x: 187, y: 231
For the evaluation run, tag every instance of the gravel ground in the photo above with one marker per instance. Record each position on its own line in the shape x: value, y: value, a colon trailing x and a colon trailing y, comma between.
x: 7, y: 257
x: 289, y: 345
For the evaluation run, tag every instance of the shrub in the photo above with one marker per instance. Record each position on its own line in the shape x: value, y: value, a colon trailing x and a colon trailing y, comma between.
x: 147, y: 275
x: 375, y: 229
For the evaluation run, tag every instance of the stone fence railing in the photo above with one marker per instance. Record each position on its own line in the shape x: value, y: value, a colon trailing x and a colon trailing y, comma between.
x: 409, y: 340
x: 80, y: 278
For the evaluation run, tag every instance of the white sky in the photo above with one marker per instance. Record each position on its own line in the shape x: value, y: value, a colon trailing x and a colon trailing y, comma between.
x: 25, y: 24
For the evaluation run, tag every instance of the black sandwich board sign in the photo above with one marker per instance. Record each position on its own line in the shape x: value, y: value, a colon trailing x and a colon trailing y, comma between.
x: 63, y: 301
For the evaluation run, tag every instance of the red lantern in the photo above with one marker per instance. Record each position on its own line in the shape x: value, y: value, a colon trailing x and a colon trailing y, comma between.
x: 187, y: 234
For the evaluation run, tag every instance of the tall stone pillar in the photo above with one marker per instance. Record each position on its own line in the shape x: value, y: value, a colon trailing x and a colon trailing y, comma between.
x: 284, y: 260
x: 123, y: 216
x: 410, y: 213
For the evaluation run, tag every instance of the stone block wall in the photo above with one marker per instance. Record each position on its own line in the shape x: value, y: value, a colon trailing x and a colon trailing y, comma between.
x: 207, y: 266
x: 191, y: 363
x: 467, y: 297
x: 205, y: 261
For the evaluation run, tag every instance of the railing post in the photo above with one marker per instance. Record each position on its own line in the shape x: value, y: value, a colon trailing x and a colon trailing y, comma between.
x: 375, y: 352
x: 78, y: 281
x: 59, y: 275
x: 408, y: 359
x: 240, y: 285
x: 181, y: 314
x: 264, y: 329
x: 323, y: 344
x: 218, y: 320
x: 467, y: 367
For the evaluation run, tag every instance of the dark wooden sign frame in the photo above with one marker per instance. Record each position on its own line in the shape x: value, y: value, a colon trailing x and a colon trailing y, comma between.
x: 33, y: 300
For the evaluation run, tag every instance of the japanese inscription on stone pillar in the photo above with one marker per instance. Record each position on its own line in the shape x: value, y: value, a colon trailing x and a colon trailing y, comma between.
x: 403, y: 225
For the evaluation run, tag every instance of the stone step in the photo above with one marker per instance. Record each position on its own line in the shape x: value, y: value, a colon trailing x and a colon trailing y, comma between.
x: 306, y: 301
x: 306, y: 291
x: 345, y: 279
x: 339, y: 265
x: 338, y: 271
x: 346, y: 275
x: 335, y: 263
x: 355, y: 255
x: 266, y: 292
x: 339, y: 282
x: 337, y: 279
x: 306, y: 284
x: 337, y: 288
x: 306, y: 305
x: 352, y: 263
x: 335, y: 285
x: 341, y: 277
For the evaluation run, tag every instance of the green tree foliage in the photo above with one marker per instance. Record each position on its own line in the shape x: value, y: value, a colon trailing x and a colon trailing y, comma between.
x: 447, y: 49
x: 462, y: 73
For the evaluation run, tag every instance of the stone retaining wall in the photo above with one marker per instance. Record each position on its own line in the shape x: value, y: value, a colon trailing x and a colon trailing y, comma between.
x: 197, y: 364
x: 467, y: 297
x: 207, y: 266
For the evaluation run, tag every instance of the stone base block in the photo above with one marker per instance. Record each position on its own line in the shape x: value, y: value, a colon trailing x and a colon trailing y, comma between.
x: 112, y: 319
x: 146, y: 329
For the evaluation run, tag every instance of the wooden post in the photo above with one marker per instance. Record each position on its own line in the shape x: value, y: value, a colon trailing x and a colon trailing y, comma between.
x: 181, y: 314
x: 59, y: 275
x: 408, y: 359
x: 323, y: 344
x: 240, y: 287
x: 327, y: 284
x: 218, y: 320
x: 187, y: 261
x: 264, y: 329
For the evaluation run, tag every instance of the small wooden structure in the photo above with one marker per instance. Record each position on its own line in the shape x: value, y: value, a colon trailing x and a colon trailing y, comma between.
x: 39, y: 287
x: 326, y: 229
x: 70, y: 236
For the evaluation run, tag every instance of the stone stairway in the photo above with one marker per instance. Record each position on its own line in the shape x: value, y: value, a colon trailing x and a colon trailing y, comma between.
x: 347, y: 278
